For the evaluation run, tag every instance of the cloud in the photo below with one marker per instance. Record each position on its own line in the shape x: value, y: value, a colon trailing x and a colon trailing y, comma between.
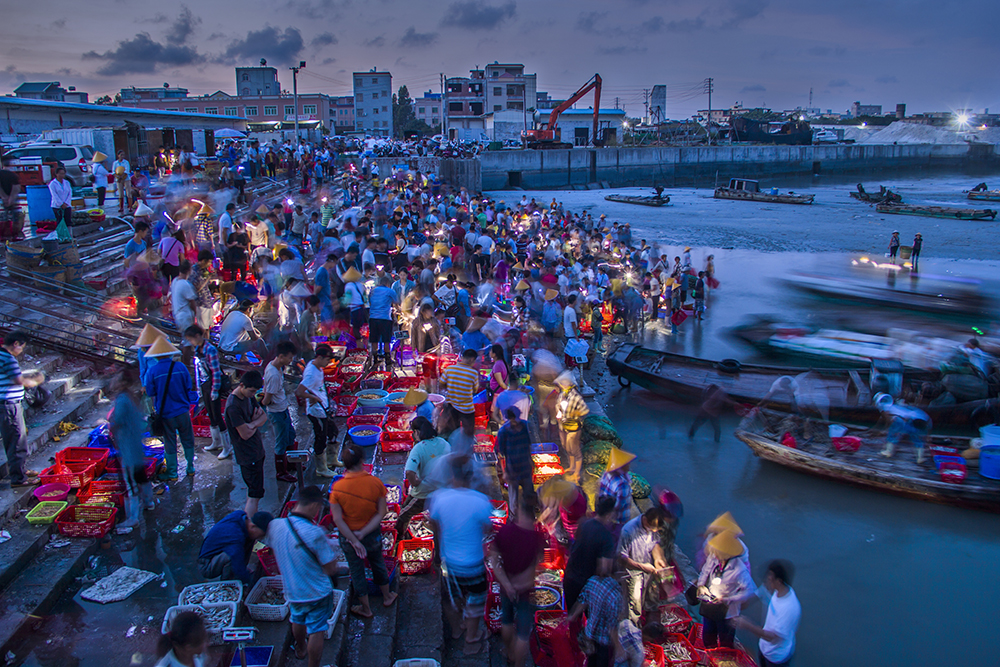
x: 315, y: 9
x: 740, y: 11
x: 323, y: 39
x: 142, y: 55
x: 653, y: 25
x: 621, y: 50
x: 839, y: 83
x: 328, y: 61
x: 417, y: 40
x: 686, y: 25
x: 887, y: 78
x: 59, y: 24
x: 279, y: 47
x: 375, y: 42
x: 591, y: 21
x: 824, y: 51
x: 756, y: 88
x: 477, y: 15
x: 182, y: 26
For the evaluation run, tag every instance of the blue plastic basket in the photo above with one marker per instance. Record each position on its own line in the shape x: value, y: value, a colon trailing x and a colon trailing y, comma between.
x: 939, y: 459
x: 545, y: 448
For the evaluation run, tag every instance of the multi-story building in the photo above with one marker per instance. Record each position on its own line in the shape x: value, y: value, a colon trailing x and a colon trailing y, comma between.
x: 464, y: 102
x: 50, y: 91
x: 259, y: 81
x: 544, y: 101
x: 164, y: 93
x: 858, y: 109
x: 373, y: 103
x: 508, y: 87
x: 428, y: 108
x: 342, y: 114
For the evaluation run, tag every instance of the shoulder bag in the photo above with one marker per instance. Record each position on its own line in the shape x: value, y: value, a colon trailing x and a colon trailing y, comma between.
x: 156, y: 426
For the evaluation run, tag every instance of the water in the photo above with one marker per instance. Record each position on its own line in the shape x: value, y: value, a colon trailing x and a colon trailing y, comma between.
x: 882, y: 580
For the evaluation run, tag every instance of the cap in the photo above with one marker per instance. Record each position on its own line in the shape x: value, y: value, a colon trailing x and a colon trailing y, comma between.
x: 618, y: 459
x: 148, y: 336
x: 415, y: 397
x: 161, y: 347
x: 725, y: 521
x: 99, y: 157
x: 551, y: 294
x: 352, y: 275
x: 143, y: 210
x: 261, y: 520
x: 726, y: 544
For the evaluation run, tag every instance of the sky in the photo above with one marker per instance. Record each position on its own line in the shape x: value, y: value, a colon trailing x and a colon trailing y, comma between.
x: 930, y: 55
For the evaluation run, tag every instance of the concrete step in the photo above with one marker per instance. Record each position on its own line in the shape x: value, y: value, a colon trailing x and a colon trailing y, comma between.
x: 43, y: 424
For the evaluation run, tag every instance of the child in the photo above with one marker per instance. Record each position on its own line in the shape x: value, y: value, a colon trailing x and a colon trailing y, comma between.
x: 185, y: 644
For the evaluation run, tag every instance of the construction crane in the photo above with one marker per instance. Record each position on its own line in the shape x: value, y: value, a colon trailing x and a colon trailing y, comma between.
x: 547, y: 136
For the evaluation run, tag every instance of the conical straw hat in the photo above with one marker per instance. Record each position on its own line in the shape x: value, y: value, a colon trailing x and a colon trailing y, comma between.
x: 415, y: 397
x: 162, y: 348
x: 725, y: 521
x: 352, y: 275
x: 143, y: 210
x: 522, y: 285
x: 99, y: 157
x: 551, y: 294
x: 148, y: 336
x: 619, y: 458
x: 726, y: 544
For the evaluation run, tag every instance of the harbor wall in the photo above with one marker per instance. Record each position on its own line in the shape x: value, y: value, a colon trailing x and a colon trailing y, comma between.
x: 701, y: 165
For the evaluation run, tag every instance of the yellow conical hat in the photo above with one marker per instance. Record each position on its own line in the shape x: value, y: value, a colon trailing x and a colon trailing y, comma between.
x: 162, y: 348
x: 556, y: 487
x: 262, y: 210
x: 142, y: 210
x: 725, y: 521
x: 521, y: 286
x: 415, y: 397
x: 148, y: 336
x: 205, y: 208
x: 726, y: 544
x: 551, y: 294
x: 99, y: 157
x: 352, y: 275
x: 518, y: 267
x: 618, y: 459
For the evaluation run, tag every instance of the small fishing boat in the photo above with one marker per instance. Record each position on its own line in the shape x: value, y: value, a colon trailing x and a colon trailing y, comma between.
x: 950, y: 297
x: 883, y: 196
x: 746, y: 190
x: 816, y: 453
x: 848, y: 392
x: 938, y: 211
x: 981, y: 193
x: 652, y: 200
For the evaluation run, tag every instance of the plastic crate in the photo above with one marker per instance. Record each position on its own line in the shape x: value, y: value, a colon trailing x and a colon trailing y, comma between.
x: 388, y: 546
x: 339, y: 599
x: 370, y: 383
x: 113, y: 485
x: 114, y: 466
x: 394, y: 494
x: 654, y: 655
x: 545, y: 448
x: 399, y: 421
x: 741, y: 658
x: 390, y: 568
x: 396, y: 441
x: 846, y: 443
x: 553, y: 559
x: 694, y: 652
x: 345, y: 405
x: 403, y: 383
x: 268, y: 561
x: 387, y: 522
x: 194, y: 589
x: 682, y: 626
x: 421, y: 516
x: 96, y: 455
x: 953, y: 472
x: 77, y: 475
x: 546, y: 632
x: 418, y: 566
x: 97, y: 520
x: 34, y: 516
x: 552, y: 469
x: 89, y: 498
x: 260, y: 611
x: 498, y: 506
x: 214, y: 633
x: 492, y: 615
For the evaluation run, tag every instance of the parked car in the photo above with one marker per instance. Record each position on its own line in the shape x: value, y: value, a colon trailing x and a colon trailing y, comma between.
x: 76, y: 159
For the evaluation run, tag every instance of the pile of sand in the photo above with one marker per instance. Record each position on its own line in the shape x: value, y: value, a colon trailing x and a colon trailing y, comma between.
x: 901, y: 132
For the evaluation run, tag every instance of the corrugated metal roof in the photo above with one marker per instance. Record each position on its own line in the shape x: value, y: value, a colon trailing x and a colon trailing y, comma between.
x: 36, y: 87
x: 125, y: 111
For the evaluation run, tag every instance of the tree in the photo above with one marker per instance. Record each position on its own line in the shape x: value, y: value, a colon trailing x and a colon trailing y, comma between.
x: 402, y: 111
x: 107, y: 101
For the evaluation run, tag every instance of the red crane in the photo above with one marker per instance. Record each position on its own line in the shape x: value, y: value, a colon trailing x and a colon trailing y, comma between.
x: 547, y: 136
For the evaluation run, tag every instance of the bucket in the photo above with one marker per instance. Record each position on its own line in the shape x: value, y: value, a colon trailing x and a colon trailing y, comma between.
x: 905, y: 251
x: 989, y: 462
x: 990, y: 436
x: 66, y: 254
x: 837, y: 431
x: 39, y: 203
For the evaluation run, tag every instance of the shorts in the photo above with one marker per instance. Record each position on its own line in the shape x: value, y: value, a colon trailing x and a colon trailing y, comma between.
x: 520, y: 613
x: 699, y: 305
x: 253, y: 475
x: 314, y: 615
x: 471, y: 590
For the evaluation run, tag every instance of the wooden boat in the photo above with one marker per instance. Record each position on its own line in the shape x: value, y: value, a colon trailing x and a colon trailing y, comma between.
x: 849, y: 391
x: 747, y: 190
x: 980, y: 193
x: 883, y: 196
x: 938, y: 211
x: 652, y: 200
x: 815, y: 454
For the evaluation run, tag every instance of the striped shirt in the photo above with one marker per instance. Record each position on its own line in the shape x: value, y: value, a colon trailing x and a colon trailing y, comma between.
x: 461, y: 385
x: 10, y: 390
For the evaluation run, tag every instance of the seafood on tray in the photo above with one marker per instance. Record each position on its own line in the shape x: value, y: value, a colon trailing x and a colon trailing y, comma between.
x: 223, y: 591
x: 412, y: 555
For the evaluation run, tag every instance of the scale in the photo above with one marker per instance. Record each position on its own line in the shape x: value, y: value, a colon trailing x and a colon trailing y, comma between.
x: 253, y: 656
x: 299, y: 458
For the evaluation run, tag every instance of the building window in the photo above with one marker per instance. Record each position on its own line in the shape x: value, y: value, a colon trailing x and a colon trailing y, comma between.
x: 250, y: 111
x: 517, y: 106
x: 246, y: 77
x: 434, y: 109
x: 360, y: 97
x: 455, y: 106
x: 374, y: 81
x: 212, y: 110
x: 496, y: 74
x: 498, y: 91
x: 385, y: 123
x: 289, y: 110
x: 190, y: 110
x: 174, y: 109
x: 246, y: 91
x: 270, y: 111
x: 497, y: 107
x: 230, y: 111
x: 309, y: 109
x: 375, y: 110
x: 374, y: 96
x: 476, y: 108
x: 361, y: 125
x: 385, y: 109
x: 422, y: 111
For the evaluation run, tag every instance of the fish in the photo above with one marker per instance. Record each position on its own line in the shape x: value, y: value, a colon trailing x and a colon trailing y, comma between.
x: 214, y: 592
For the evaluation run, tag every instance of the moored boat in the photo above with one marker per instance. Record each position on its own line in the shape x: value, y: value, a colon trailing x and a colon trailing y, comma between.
x: 815, y: 453
x: 949, y: 296
x: 981, y: 193
x: 746, y: 190
x: 652, y: 200
x: 938, y: 211
x: 883, y: 196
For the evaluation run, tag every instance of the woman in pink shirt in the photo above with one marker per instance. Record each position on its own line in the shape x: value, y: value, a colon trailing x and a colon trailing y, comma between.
x: 171, y: 250
x: 499, y: 373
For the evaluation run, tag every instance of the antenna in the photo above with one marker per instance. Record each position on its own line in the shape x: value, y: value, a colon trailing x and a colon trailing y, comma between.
x: 810, y: 98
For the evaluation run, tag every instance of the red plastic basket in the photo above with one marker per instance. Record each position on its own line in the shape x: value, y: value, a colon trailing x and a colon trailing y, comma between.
x: 91, y: 498
x: 404, y: 383
x: 268, y: 562
x: 114, y: 467
x: 388, y: 551
x: 414, y: 566
x: 96, y: 455
x: 390, y: 524
x: 953, y: 472
x: 654, y: 655
x: 694, y: 636
x: 396, y: 422
x: 365, y: 420
x: 553, y: 559
x: 396, y: 441
x: 86, y: 520
x: 695, y: 653
x: 546, y: 633
x: 106, y: 486
x: 540, y: 477
x: 499, y: 505
x: 741, y: 658
x: 493, y: 615
x: 847, y: 443
x: 76, y: 475
x: 345, y: 405
x: 681, y: 627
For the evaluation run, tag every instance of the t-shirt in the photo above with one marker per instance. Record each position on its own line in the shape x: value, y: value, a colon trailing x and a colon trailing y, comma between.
x: 182, y: 302
x: 9, y: 371
x: 258, y: 233
x: 170, y: 250
x: 636, y: 542
x: 358, y: 494
x: 499, y: 368
x: 783, y: 614
x: 569, y: 322
x: 312, y: 379
x: 240, y: 411
x: 302, y: 576
x: 380, y: 303
x: 518, y: 547
x: 419, y: 461
x: 274, y: 384
x: 462, y: 383
x: 593, y: 542
x: 133, y: 248
x: 235, y: 329
x: 463, y: 516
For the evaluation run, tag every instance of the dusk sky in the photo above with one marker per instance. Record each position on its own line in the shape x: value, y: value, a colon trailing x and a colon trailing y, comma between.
x: 934, y: 56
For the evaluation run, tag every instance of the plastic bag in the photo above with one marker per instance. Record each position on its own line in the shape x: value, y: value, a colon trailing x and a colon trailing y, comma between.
x: 62, y: 231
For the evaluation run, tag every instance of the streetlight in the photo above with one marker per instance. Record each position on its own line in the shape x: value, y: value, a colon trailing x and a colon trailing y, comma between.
x: 295, y: 94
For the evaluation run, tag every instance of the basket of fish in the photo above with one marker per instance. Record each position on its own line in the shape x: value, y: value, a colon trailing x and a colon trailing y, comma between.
x: 415, y: 556
x: 388, y: 542
x: 730, y: 657
x: 674, y: 619
x: 217, y: 616
x: 86, y: 520
x: 391, y: 515
x: 394, y: 494
x: 654, y: 655
x: 212, y: 592
x: 678, y: 651
x: 266, y: 600
x: 419, y: 528
x: 45, y: 512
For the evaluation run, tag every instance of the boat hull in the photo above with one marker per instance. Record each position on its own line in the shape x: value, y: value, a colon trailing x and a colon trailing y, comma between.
x: 640, y: 201
x: 745, y: 195
x: 938, y: 212
x: 989, y: 195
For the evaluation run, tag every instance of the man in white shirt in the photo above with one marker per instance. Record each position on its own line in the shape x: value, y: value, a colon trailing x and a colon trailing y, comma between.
x: 571, y: 326
x: 237, y: 333
x: 226, y: 223
x: 777, y: 638
x: 183, y: 299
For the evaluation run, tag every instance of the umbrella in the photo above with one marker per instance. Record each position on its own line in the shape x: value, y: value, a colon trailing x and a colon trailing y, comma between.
x: 228, y: 133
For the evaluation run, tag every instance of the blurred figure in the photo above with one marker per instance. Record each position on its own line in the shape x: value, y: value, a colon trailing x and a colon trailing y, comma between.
x: 723, y: 586
x: 781, y: 620
x: 905, y: 422
x: 713, y: 400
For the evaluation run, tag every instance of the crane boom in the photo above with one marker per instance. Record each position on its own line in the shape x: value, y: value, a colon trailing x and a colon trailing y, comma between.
x: 547, y: 135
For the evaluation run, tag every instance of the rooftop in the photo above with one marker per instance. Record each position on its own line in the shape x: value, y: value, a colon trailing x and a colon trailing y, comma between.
x: 11, y: 101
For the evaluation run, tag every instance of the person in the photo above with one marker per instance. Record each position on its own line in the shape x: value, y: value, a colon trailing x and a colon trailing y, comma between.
x: 167, y: 383
x: 356, y: 300
x: 511, y: 397
x: 101, y: 175
x: 460, y: 518
x: 905, y: 422
x: 776, y: 644
x: 643, y: 559
x: 571, y: 327
x: 10, y: 191
x: 306, y: 561
x: 127, y: 425
x: 381, y: 301
x: 514, y: 555
x: 630, y: 650
x: 498, y: 374
x: 137, y: 245
x: 61, y: 197
x: 183, y: 300
x: 460, y: 382
x: 565, y: 506
x: 602, y: 600
x: 212, y: 382
x: 122, y: 170
x: 171, y: 250
x: 12, y: 385
x: 713, y: 400
x: 324, y: 288
x: 617, y: 484
x: 918, y: 244
x: 237, y: 334
x: 699, y: 297
x: 724, y: 584
x: 513, y: 446
x: 570, y: 411
x: 185, y: 644
x: 593, y: 550
x: 313, y: 390
x: 244, y: 419
x: 425, y: 330
x: 275, y: 402
x: 655, y: 290
x: 226, y: 223
x: 225, y: 549
x: 893, y: 246
x: 357, y: 502
x: 419, y: 462
x: 597, y: 324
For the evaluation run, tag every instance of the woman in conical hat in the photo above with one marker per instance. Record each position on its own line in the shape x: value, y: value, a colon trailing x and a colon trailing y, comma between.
x: 724, y: 584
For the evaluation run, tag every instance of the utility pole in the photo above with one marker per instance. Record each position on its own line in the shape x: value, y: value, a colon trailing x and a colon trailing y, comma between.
x: 295, y: 95
x: 444, y: 109
x: 645, y: 101
x: 709, y: 87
